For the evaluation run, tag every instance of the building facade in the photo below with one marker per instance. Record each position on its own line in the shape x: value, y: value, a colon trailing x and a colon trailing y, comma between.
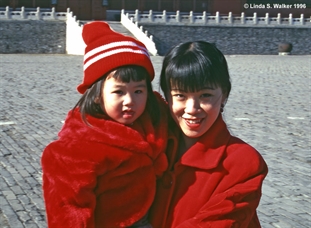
x: 96, y: 9
x: 83, y: 9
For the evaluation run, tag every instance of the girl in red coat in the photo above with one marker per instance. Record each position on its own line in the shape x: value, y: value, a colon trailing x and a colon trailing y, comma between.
x: 214, y: 179
x: 102, y: 170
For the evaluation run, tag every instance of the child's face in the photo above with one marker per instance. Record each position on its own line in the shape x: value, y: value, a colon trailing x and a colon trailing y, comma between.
x: 124, y: 102
x: 195, y: 112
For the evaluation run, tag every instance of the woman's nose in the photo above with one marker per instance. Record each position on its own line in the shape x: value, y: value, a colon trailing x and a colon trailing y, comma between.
x: 192, y: 106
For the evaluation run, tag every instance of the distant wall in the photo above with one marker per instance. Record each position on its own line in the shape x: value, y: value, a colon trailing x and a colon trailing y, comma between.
x: 231, y: 34
x: 33, y: 36
x: 233, y: 40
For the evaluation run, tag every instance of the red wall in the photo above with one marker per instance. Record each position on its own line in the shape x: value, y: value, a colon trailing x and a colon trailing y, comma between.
x: 83, y: 9
x: 226, y: 6
x: 93, y: 9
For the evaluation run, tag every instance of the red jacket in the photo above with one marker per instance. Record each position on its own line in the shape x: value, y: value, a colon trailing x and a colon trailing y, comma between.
x: 103, y: 175
x: 216, y: 183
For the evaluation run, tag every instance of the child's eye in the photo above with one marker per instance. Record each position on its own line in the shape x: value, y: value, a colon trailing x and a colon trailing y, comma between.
x: 118, y: 92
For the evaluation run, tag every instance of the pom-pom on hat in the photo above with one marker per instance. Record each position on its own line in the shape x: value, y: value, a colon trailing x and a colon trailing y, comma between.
x: 106, y: 50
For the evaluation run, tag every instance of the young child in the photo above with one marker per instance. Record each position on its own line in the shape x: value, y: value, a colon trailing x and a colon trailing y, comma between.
x: 102, y: 170
x: 214, y: 179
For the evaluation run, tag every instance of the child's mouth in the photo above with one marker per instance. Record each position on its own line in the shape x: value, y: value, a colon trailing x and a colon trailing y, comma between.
x: 128, y: 114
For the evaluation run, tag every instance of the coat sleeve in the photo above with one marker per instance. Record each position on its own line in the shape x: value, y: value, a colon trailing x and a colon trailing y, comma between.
x: 68, y: 184
x: 237, y: 196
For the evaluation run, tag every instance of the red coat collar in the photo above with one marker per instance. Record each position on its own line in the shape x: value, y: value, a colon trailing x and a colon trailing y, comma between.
x: 139, y: 138
x: 209, y: 150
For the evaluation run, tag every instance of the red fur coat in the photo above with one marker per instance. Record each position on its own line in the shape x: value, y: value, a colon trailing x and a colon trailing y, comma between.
x: 102, y: 175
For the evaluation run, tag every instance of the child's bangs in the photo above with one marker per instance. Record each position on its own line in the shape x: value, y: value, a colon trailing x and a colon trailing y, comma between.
x: 128, y: 73
x: 190, y: 75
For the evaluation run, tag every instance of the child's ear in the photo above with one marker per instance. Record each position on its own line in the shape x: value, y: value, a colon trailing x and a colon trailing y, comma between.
x: 97, y: 100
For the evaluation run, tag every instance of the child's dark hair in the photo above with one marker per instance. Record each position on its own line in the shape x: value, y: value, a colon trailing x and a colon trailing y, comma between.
x: 192, y: 65
x: 88, y: 106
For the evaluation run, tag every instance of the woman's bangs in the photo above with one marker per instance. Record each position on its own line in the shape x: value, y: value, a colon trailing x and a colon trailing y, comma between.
x: 190, y: 77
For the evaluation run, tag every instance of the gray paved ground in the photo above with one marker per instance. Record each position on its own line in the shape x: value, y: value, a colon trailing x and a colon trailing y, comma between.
x: 269, y: 107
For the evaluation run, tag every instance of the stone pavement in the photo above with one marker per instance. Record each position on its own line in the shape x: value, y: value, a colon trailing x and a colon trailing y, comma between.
x: 269, y: 108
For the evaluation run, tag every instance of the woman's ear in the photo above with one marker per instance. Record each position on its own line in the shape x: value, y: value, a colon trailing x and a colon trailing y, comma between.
x: 224, y: 100
x: 97, y: 100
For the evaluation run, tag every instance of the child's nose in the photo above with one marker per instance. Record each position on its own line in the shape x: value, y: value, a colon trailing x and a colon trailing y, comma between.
x: 128, y: 99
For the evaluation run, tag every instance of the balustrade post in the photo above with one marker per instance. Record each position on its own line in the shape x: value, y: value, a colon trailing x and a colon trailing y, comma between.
x: 267, y: 19
x: 242, y: 18
x: 290, y: 19
x: 230, y: 19
x: 177, y: 16
x: 217, y: 18
x: 204, y: 17
x: 302, y: 19
x: 136, y: 17
x: 191, y: 19
x: 123, y: 14
x: 23, y: 15
x: 164, y: 16
x: 68, y: 13
x: 279, y: 19
x: 53, y: 13
x: 255, y: 19
x: 150, y: 16
x: 38, y: 13
x: 7, y: 12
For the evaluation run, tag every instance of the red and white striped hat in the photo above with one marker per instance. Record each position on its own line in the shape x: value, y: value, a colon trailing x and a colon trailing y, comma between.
x: 106, y: 50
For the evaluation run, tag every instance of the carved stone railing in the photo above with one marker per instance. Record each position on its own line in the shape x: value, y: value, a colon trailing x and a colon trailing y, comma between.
x: 219, y: 20
x: 32, y: 15
x: 139, y: 33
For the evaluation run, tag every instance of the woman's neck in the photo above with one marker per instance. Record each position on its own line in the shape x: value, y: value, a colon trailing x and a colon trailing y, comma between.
x: 185, y: 144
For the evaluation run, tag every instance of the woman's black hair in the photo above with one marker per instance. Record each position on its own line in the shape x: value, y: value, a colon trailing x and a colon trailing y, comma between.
x: 88, y: 106
x: 191, y: 66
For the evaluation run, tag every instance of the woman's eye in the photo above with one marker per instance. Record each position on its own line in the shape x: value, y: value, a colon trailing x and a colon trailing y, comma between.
x: 178, y: 96
x: 138, y: 91
x: 206, y: 95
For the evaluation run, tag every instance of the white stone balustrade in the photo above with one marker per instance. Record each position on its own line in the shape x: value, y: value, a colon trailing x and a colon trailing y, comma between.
x: 74, y: 41
x: 32, y: 15
x: 138, y: 31
x: 218, y: 20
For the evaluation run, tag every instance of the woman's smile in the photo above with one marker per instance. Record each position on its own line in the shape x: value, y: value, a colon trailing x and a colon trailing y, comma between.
x: 193, y: 123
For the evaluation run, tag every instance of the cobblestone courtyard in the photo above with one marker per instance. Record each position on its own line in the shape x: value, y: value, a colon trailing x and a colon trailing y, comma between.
x: 269, y: 107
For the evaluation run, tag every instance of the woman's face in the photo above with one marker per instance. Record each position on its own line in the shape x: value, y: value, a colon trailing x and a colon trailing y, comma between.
x: 195, y: 112
x: 124, y: 102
